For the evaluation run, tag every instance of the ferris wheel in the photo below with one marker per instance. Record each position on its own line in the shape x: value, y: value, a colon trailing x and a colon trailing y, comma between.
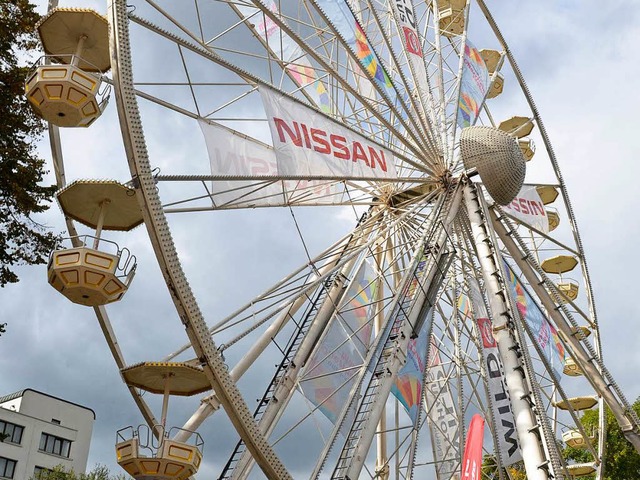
x: 459, y: 288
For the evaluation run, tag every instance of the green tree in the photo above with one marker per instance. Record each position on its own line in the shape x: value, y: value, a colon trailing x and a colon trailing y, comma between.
x: 99, y: 472
x: 621, y: 461
x: 22, y: 240
x: 490, y: 469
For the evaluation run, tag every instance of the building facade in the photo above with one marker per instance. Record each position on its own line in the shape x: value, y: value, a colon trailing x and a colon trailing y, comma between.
x: 41, y: 431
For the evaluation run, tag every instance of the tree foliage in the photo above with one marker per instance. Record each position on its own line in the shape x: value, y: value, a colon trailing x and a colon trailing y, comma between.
x: 100, y: 472
x: 621, y: 461
x: 22, y: 240
x: 490, y: 469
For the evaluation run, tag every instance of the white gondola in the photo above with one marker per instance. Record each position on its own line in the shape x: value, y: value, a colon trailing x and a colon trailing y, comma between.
x: 161, y: 453
x: 575, y: 439
x: 492, y: 60
x: 95, y: 271
x: 66, y: 86
x: 451, y: 17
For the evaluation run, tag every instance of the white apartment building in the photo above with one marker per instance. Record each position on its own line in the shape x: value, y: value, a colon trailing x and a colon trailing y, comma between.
x: 42, y: 431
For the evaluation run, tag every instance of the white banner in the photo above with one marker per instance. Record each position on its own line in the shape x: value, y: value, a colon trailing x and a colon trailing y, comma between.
x: 504, y: 423
x: 231, y: 154
x: 309, y: 144
x: 403, y: 11
x: 528, y: 207
x: 445, y: 431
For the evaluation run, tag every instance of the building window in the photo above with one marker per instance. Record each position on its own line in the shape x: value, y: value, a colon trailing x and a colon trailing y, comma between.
x: 55, y: 445
x: 40, y: 470
x: 11, y: 432
x: 56, y: 421
x: 7, y: 467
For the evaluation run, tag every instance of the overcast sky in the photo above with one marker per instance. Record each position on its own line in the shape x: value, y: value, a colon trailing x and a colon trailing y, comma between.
x: 580, y: 61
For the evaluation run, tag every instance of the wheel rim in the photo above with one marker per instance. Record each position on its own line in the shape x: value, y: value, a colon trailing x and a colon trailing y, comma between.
x: 407, y: 144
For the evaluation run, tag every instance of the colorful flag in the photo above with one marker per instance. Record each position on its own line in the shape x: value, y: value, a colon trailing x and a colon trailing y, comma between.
x: 332, y: 368
x: 473, y: 86
x: 285, y: 48
x: 408, y: 386
x: 544, y: 333
x: 404, y: 12
x: 472, y: 459
x: 350, y: 30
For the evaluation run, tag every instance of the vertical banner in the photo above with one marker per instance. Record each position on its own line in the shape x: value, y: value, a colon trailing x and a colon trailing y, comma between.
x: 545, y: 334
x: 338, y: 12
x: 502, y: 414
x: 331, y: 370
x: 528, y: 207
x: 404, y: 12
x: 473, y: 86
x: 443, y: 421
x: 408, y: 386
x: 472, y: 459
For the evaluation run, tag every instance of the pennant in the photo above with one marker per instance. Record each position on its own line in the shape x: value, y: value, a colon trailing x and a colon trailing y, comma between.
x: 473, y: 86
x: 331, y: 370
x: 544, y: 333
x: 231, y: 154
x: 408, y: 385
x: 445, y: 432
x: 472, y: 458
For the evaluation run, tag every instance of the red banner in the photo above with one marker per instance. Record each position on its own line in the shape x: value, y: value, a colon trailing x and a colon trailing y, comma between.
x: 472, y: 459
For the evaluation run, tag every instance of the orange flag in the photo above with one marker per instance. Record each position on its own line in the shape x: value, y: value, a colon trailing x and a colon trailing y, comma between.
x: 472, y: 458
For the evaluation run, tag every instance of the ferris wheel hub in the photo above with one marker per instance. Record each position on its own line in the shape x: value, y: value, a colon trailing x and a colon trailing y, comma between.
x: 497, y: 158
x: 399, y: 198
